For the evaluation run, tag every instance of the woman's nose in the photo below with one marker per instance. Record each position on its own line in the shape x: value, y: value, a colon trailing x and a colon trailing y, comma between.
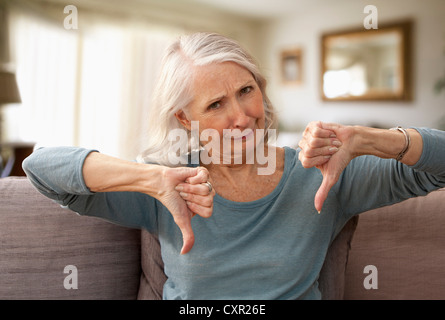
x: 239, y: 117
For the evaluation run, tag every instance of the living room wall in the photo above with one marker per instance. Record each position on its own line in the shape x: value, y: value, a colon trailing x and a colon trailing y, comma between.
x: 91, y: 86
x: 300, y: 104
x: 265, y: 38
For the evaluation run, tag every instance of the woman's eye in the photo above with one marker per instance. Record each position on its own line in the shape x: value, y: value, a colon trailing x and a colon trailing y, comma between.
x: 214, y: 105
x: 246, y: 90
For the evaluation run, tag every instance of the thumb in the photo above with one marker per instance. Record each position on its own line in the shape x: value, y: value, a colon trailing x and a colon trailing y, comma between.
x: 185, y: 172
x: 201, y: 176
x: 322, y: 193
x: 188, y: 237
x: 329, y: 126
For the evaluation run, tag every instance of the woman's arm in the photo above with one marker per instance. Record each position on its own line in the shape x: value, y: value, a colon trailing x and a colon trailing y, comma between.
x: 330, y: 148
x: 387, y: 144
x: 103, y: 173
x: 87, y: 181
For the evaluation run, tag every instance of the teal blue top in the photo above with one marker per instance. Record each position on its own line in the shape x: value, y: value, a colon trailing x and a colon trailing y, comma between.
x: 271, y: 248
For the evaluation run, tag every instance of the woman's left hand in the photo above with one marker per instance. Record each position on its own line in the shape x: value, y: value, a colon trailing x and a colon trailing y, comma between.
x: 196, y: 193
x: 328, y: 147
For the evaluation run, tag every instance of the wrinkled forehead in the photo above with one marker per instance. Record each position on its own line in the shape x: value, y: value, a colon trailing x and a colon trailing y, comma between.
x: 215, y: 79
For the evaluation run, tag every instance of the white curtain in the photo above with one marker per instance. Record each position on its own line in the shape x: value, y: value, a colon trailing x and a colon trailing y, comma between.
x: 119, y: 68
x: 45, y: 59
x: 89, y: 87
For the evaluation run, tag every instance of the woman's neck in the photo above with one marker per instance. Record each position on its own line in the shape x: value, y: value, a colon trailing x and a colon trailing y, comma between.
x: 245, y: 181
x: 232, y: 171
x: 244, y: 164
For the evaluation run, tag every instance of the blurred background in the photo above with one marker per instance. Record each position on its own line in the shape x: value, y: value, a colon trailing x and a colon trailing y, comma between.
x: 84, y: 76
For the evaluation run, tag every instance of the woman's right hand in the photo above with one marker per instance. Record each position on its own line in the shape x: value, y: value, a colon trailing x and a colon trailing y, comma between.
x: 103, y: 173
x: 184, y: 194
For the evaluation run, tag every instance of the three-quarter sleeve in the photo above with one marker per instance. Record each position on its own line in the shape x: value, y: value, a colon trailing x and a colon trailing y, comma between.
x: 369, y: 182
x: 56, y: 172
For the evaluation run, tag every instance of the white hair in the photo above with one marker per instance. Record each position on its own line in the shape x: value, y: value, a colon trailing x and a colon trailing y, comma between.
x: 173, y: 89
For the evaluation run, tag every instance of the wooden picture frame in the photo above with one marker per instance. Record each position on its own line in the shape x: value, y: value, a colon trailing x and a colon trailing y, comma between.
x: 291, y: 66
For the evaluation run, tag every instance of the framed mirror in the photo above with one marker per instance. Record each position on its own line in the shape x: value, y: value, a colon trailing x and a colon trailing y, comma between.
x: 365, y: 64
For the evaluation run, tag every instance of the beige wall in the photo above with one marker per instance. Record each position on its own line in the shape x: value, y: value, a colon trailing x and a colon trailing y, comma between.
x: 178, y: 15
x: 298, y: 105
x: 302, y: 28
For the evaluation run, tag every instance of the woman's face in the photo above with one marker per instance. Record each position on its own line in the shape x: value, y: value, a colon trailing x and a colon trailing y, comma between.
x: 225, y: 96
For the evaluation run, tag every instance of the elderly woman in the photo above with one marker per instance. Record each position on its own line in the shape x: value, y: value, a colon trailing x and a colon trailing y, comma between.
x: 256, y: 234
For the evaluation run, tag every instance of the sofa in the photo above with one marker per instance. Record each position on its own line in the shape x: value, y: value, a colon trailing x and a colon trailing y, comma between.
x: 49, y: 252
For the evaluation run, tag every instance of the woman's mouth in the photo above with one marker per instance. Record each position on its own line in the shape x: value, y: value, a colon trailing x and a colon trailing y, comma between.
x: 248, y: 135
x: 237, y: 135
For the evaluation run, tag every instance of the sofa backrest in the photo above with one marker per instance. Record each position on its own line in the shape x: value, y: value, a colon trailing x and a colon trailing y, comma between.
x: 46, y: 250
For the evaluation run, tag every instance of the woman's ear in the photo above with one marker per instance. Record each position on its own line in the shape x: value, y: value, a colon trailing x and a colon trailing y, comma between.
x: 182, y: 118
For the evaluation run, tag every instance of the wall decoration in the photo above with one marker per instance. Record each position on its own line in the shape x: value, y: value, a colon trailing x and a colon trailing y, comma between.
x: 291, y: 67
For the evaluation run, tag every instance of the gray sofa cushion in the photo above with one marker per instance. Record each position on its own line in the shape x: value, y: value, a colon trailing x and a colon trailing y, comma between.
x: 153, y: 276
x: 405, y: 243
x: 39, y: 239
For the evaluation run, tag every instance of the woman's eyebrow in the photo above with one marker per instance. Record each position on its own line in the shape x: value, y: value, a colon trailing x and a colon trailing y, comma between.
x: 215, y: 99
x: 251, y: 81
x: 218, y: 98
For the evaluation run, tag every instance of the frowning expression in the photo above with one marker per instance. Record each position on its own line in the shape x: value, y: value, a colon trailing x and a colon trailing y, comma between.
x: 225, y: 96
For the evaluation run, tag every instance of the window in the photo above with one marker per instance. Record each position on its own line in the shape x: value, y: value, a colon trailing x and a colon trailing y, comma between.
x: 89, y: 87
